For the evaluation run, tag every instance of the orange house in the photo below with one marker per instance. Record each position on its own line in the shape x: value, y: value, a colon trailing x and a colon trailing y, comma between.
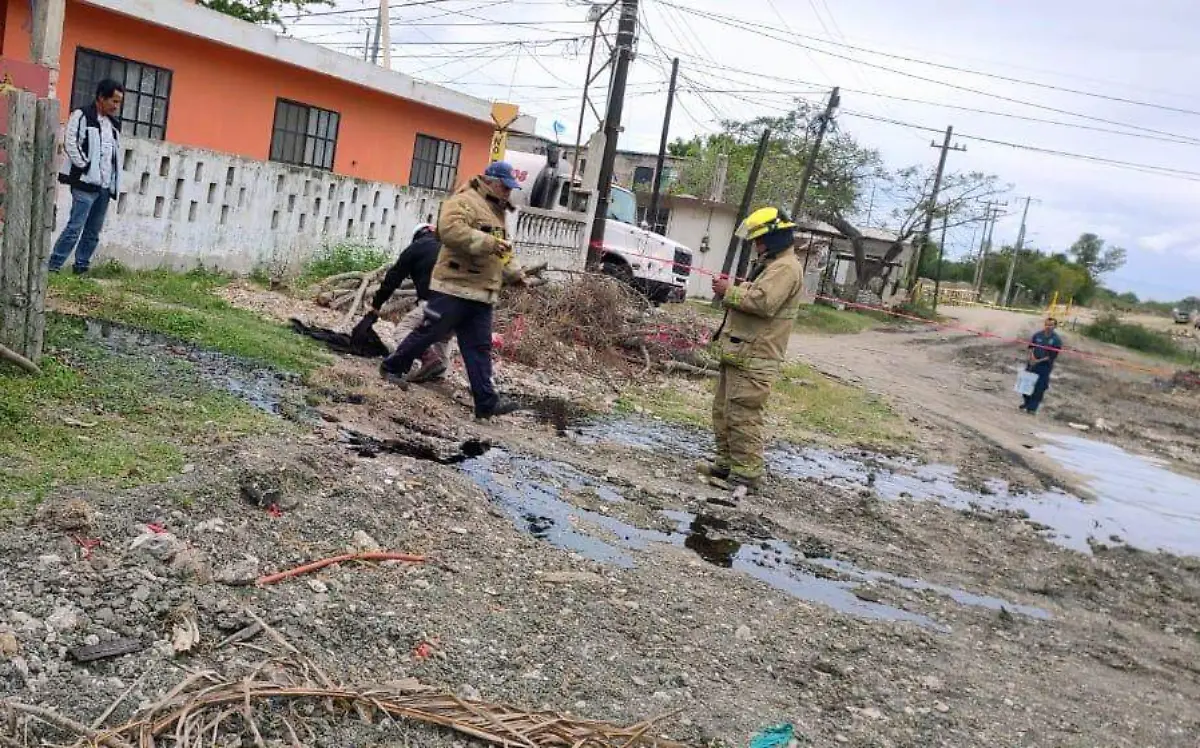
x: 195, y: 77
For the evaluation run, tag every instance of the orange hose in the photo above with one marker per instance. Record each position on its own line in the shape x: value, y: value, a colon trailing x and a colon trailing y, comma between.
x: 315, y: 565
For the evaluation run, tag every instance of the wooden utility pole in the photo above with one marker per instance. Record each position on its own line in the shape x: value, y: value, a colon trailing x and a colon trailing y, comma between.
x: 937, y: 281
x: 744, y: 208
x: 989, y: 225
x: 809, y: 165
x: 626, y: 32
x: 662, y: 147
x: 385, y: 33
x: 931, y: 206
x: 1012, y: 263
x: 30, y: 180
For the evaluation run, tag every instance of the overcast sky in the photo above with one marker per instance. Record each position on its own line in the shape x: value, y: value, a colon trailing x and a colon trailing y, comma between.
x: 1144, y: 52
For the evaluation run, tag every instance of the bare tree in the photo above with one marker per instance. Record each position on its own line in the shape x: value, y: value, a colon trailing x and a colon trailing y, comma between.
x: 908, y: 190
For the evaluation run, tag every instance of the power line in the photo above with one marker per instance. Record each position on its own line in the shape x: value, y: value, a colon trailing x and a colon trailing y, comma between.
x: 1166, y: 171
x: 958, y: 69
x: 761, y: 31
x: 1180, y: 140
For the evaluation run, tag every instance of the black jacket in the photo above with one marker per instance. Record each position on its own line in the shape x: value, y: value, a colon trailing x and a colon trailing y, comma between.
x: 416, y: 262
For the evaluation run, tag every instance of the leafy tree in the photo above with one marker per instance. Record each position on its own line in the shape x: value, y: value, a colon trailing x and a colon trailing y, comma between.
x: 840, y: 166
x: 1096, y: 259
x: 260, y: 11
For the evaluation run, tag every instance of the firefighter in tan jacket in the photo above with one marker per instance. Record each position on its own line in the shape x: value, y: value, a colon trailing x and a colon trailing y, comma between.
x: 751, y: 345
x: 475, y: 260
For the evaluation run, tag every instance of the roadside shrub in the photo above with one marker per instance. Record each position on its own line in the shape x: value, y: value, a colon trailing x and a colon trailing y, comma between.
x: 342, y: 258
x: 1110, y: 328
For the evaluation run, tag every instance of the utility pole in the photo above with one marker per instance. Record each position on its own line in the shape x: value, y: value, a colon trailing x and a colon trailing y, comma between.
x: 1012, y: 263
x: 662, y: 146
x: 937, y: 281
x: 744, y: 209
x: 832, y: 104
x: 385, y: 32
x: 945, y: 148
x: 993, y: 212
x: 596, y: 15
x: 375, y: 35
x: 626, y: 30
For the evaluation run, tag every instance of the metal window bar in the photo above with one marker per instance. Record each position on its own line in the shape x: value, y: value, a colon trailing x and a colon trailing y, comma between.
x: 304, y: 135
x: 435, y: 163
x: 147, y: 90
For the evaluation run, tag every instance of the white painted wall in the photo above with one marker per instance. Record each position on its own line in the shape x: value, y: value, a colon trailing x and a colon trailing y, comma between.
x: 181, y: 207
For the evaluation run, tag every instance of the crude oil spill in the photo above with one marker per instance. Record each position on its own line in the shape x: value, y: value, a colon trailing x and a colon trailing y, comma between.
x: 1138, y: 500
x: 433, y: 450
x: 529, y: 491
x: 260, y: 388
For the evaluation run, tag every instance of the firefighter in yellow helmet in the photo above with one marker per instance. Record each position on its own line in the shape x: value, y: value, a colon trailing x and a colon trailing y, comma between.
x: 751, y: 344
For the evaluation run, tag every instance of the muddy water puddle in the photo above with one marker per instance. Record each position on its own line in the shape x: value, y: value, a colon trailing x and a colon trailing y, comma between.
x: 264, y: 389
x: 1139, y: 502
x: 532, y: 492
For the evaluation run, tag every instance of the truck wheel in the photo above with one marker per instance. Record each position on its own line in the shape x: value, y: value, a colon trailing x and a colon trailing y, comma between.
x: 618, y: 270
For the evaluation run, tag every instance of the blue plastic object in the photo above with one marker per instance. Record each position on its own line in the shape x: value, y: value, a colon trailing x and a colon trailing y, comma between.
x: 776, y: 736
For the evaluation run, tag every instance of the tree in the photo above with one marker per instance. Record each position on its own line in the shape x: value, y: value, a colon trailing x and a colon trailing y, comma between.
x: 260, y: 11
x: 840, y: 167
x: 1096, y: 259
x: 909, y: 190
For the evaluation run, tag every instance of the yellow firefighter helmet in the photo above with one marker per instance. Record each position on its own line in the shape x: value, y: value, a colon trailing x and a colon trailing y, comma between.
x: 762, y: 222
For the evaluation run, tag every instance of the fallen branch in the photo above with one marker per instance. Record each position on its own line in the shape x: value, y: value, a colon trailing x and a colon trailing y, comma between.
x: 316, y: 565
x: 51, y: 717
x: 7, y: 354
x: 679, y: 366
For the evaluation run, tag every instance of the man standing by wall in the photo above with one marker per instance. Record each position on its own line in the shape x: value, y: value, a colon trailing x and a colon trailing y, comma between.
x: 1043, y: 351
x: 92, y: 143
x: 751, y: 344
x: 475, y: 260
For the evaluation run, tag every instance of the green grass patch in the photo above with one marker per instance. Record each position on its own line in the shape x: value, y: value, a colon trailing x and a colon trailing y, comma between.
x: 341, y: 258
x: 1110, y: 328
x: 184, y: 305
x: 804, y: 406
x: 825, y: 319
x: 97, y: 416
x: 807, y: 404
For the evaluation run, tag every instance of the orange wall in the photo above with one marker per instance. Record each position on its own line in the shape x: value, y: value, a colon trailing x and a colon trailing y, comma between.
x: 224, y: 99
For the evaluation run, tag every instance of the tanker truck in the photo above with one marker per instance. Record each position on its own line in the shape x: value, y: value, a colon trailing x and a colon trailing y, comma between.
x: 649, y: 262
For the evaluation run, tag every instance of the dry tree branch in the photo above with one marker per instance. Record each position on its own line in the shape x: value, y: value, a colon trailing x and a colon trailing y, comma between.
x: 7, y: 354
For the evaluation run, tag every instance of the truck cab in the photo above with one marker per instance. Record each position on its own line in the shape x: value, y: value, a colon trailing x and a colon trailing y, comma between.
x: 655, y: 265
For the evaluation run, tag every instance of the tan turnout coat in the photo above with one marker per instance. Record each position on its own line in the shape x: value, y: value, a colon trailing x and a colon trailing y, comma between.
x: 470, y: 225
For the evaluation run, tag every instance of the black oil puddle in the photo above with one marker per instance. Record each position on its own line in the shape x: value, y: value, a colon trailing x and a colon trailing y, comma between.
x: 530, y: 492
x: 1138, y: 502
x: 432, y: 450
x: 270, y: 391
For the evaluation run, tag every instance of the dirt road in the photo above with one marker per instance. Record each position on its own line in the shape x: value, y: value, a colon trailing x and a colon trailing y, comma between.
x: 959, y: 386
x: 578, y: 566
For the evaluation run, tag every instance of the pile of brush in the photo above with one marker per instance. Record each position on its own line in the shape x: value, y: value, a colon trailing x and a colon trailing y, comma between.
x: 592, y: 317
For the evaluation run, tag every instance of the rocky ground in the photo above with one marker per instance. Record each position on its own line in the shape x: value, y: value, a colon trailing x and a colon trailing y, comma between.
x: 577, y: 565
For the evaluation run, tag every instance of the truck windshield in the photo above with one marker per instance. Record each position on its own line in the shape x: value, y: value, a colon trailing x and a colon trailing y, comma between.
x: 622, y: 206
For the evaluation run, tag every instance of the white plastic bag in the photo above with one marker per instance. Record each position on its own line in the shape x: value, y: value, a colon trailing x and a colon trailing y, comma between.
x: 1026, y: 381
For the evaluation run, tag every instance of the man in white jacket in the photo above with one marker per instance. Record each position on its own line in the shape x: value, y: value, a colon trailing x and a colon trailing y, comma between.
x: 92, y: 142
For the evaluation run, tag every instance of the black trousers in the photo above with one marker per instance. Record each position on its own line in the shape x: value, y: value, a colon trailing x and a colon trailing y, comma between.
x: 471, y: 321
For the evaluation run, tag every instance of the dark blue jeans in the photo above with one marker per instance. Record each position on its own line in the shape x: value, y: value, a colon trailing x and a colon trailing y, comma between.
x: 1034, y: 401
x: 472, y: 322
x: 82, y: 232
